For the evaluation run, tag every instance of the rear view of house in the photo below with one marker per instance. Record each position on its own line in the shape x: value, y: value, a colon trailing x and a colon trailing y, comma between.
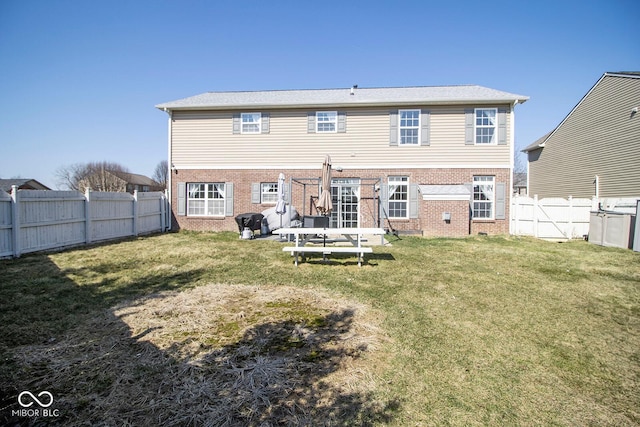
x: 433, y: 160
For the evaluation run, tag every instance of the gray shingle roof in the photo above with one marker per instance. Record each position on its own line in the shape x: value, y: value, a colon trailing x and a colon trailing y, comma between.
x: 421, y: 95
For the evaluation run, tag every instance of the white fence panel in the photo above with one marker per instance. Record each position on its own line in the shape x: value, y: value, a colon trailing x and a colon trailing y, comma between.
x: 112, y: 215
x: 35, y: 220
x: 550, y: 218
x: 49, y: 219
x: 6, y: 225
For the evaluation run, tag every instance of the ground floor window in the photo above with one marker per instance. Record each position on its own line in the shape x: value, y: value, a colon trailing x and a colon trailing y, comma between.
x: 483, y: 197
x: 398, y: 196
x: 206, y: 199
x: 269, y: 192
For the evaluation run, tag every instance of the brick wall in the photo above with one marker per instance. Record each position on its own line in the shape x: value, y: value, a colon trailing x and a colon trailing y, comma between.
x: 429, y: 221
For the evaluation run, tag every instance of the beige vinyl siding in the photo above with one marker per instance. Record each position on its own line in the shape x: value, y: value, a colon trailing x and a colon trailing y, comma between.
x: 600, y: 137
x: 205, y: 139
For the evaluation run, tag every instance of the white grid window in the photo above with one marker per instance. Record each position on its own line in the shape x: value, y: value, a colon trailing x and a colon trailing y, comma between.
x: 483, y: 197
x: 398, y: 196
x: 205, y: 199
x: 251, y: 122
x: 486, y: 125
x: 269, y: 192
x: 326, y: 121
x: 409, y: 127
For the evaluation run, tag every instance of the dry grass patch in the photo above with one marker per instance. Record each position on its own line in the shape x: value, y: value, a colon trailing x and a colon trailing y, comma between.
x: 220, y: 355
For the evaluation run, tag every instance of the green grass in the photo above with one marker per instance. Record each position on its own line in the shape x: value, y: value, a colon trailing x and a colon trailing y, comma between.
x: 484, y: 330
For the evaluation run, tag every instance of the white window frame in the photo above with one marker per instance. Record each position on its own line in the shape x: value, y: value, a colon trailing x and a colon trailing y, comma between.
x: 270, y: 190
x: 250, y: 124
x: 211, y: 196
x: 482, y: 126
x: 326, y: 118
x: 394, y: 182
x: 481, y: 197
x: 402, y: 139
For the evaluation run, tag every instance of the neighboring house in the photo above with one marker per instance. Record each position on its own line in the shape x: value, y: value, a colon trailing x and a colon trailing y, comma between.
x: 437, y: 160
x: 120, y: 182
x: 520, y: 183
x: 595, y: 150
x: 22, y: 184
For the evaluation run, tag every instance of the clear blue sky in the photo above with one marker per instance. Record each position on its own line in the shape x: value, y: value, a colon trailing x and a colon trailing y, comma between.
x: 79, y: 79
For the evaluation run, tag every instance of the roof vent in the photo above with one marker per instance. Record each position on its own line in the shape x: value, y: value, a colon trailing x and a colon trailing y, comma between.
x: 353, y: 89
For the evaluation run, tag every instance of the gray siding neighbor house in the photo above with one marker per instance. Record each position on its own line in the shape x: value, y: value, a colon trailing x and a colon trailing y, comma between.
x: 436, y: 160
x: 595, y: 150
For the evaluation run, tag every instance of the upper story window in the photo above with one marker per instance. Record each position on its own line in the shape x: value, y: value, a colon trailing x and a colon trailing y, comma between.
x: 409, y: 127
x: 251, y: 122
x: 326, y: 121
x: 269, y: 192
x: 483, y: 197
x: 485, y: 125
x: 398, y: 196
x: 206, y: 199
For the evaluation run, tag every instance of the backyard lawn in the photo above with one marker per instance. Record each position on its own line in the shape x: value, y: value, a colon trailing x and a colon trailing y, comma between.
x: 207, y: 329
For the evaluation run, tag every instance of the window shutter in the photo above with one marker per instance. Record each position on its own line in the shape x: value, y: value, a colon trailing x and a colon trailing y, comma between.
x: 500, y: 200
x: 255, y: 192
x: 228, y: 199
x: 182, y: 198
x: 311, y: 122
x: 236, y: 123
x: 266, y: 119
x: 393, y: 128
x: 425, y: 124
x: 413, y: 201
x: 502, y: 126
x: 384, y: 200
x: 342, y: 122
x: 287, y: 194
x: 469, y: 128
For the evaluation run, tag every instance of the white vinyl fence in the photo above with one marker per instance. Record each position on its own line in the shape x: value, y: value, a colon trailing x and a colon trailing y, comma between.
x: 557, y: 218
x: 35, y: 220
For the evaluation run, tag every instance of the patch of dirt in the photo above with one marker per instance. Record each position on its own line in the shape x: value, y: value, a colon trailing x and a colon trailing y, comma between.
x: 219, y: 355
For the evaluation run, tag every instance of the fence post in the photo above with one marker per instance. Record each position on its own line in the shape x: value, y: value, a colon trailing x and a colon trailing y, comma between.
x: 135, y: 212
x: 570, y: 217
x: 15, y: 213
x: 535, y: 216
x: 87, y: 216
x: 516, y: 217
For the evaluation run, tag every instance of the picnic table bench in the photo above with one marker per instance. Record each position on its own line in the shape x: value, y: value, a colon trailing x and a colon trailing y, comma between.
x: 302, y: 236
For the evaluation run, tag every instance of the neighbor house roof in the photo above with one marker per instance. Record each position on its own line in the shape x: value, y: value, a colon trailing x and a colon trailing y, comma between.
x: 23, y: 184
x: 344, y: 97
x: 134, y: 178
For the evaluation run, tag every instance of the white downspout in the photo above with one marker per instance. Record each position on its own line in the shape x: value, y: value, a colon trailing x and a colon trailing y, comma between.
x: 169, y: 164
x: 512, y: 151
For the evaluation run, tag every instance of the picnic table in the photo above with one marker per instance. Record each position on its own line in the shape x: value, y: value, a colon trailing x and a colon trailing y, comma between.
x: 302, y: 236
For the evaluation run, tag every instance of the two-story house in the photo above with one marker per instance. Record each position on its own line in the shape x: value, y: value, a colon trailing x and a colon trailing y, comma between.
x: 437, y: 160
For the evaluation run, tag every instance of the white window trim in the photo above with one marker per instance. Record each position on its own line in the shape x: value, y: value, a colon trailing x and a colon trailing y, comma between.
x: 334, y: 121
x: 401, y: 180
x: 476, y: 127
x: 400, y: 127
x: 205, y: 199
x: 492, y: 217
x: 262, y: 193
x: 242, y: 123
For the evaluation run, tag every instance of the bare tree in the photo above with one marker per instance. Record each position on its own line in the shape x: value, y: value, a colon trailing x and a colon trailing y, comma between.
x: 161, y: 173
x: 98, y: 176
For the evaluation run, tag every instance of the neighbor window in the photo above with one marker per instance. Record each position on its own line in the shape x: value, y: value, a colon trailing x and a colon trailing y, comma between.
x: 486, y: 125
x: 483, y: 197
x: 206, y: 199
x: 409, y: 127
x: 398, y: 196
x: 251, y: 122
x: 326, y: 121
x: 269, y: 192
